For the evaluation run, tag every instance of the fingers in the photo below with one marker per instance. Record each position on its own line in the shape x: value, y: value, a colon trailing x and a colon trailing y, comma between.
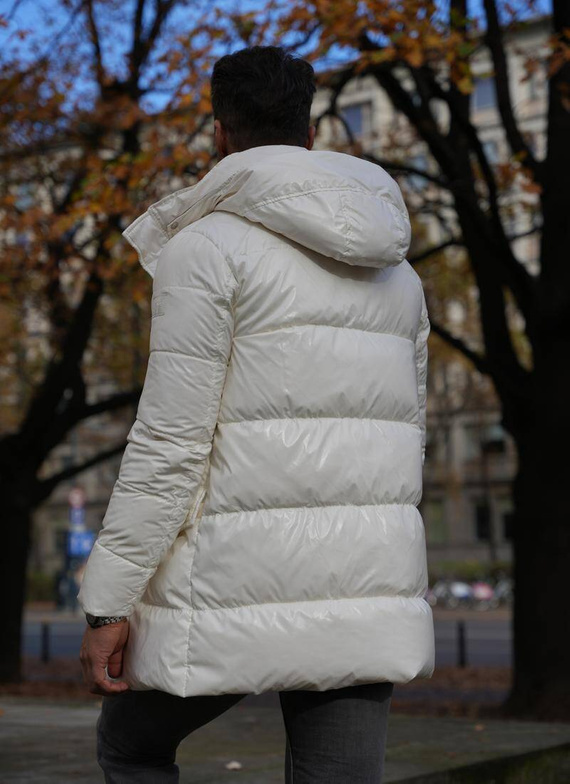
x: 96, y: 667
x: 97, y: 681
x: 106, y: 687
x: 115, y: 664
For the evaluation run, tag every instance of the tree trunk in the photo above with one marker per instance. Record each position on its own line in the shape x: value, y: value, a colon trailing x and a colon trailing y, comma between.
x: 541, y: 677
x: 13, y: 567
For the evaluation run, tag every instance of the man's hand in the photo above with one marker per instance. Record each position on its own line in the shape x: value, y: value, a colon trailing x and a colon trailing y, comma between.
x: 102, y: 655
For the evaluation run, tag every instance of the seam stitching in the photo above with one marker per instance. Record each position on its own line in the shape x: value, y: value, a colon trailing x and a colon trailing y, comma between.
x: 223, y: 253
x: 177, y: 286
x: 210, y: 411
x: 285, y: 419
x: 398, y: 218
x: 183, y: 354
x: 306, y: 506
x: 329, y: 326
x: 347, y: 227
x: 294, y: 601
x: 131, y: 488
x: 122, y: 557
x: 162, y: 436
x: 275, y: 199
x: 207, y: 195
x: 239, y: 607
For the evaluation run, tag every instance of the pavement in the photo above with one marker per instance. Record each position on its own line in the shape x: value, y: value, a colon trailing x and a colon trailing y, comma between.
x: 43, y: 742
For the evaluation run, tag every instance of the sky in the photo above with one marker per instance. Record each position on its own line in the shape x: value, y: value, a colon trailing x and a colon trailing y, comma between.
x: 54, y: 30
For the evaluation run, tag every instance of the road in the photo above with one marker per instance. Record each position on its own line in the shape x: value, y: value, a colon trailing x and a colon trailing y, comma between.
x: 488, y: 636
x: 488, y: 641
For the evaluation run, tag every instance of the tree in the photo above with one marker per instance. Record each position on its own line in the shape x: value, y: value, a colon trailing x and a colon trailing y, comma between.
x: 87, y: 140
x: 421, y: 58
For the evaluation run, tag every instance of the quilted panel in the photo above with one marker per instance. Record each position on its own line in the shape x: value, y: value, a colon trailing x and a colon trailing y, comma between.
x: 313, y: 462
x: 304, y: 554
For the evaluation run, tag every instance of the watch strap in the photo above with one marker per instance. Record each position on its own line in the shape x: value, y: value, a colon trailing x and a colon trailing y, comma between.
x: 96, y: 621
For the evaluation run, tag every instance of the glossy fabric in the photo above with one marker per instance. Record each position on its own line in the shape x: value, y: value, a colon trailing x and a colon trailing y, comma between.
x: 263, y: 533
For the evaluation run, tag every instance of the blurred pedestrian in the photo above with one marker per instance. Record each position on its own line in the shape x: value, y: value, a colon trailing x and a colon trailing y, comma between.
x: 264, y: 534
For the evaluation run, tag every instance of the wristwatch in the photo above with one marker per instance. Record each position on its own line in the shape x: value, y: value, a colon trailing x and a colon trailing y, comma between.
x: 96, y: 621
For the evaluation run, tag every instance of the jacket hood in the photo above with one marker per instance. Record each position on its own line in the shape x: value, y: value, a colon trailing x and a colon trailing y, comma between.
x: 335, y: 204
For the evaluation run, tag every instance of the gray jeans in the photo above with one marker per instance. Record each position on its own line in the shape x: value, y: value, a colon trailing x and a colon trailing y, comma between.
x: 335, y: 736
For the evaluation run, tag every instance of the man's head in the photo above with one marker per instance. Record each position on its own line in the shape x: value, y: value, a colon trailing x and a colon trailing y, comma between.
x: 262, y: 95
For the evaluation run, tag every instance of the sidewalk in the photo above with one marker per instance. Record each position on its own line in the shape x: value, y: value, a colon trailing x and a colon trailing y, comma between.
x: 43, y: 742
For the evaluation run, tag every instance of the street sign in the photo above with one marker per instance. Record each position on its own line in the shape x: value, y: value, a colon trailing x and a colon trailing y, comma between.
x: 79, y: 543
x: 77, y: 517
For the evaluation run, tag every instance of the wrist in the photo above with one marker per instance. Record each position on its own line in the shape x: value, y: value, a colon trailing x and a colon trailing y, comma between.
x: 97, y: 621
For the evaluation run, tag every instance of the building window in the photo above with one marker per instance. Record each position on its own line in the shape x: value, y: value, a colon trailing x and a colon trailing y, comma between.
x: 482, y: 521
x: 418, y: 162
x: 433, y: 512
x: 357, y: 116
x: 508, y: 518
x: 491, y: 150
x: 493, y: 439
x: 432, y: 445
x: 483, y: 95
x: 506, y: 513
x: 472, y: 442
x: 536, y: 81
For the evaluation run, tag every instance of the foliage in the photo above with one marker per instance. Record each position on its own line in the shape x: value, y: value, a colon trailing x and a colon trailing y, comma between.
x: 80, y: 157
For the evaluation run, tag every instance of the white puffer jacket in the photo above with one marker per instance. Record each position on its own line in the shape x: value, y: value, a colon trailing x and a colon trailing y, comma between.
x: 263, y: 533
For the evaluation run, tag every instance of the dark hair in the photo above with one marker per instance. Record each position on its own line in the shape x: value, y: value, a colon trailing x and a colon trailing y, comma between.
x: 263, y: 95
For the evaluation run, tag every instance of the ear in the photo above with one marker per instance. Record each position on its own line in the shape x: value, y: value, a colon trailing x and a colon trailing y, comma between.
x: 311, y: 137
x: 220, y: 140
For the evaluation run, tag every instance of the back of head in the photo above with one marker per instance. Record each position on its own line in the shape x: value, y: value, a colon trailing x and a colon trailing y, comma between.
x: 262, y: 95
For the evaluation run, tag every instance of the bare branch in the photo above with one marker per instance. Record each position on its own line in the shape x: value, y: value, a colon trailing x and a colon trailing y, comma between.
x: 495, y: 42
x: 436, y: 249
x: 142, y: 45
x: 45, y: 487
x: 61, y: 371
x: 332, y: 111
x: 13, y: 10
x: 112, y: 403
x: 510, y: 270
x: 478, y: 361
x: 406, y: 169
x: 337, y: 83
x: 305, y: 40
x: 137, y: 29
x: 94, y: 35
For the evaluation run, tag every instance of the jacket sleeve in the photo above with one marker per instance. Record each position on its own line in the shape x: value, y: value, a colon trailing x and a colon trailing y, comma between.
x: 168, y: 446
x: 421, y: 370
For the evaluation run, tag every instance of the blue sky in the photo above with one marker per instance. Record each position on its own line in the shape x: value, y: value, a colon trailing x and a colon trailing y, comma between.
x: 55, y: 30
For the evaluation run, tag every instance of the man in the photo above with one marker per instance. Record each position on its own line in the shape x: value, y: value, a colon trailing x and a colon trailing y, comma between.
x: 263, y: 534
